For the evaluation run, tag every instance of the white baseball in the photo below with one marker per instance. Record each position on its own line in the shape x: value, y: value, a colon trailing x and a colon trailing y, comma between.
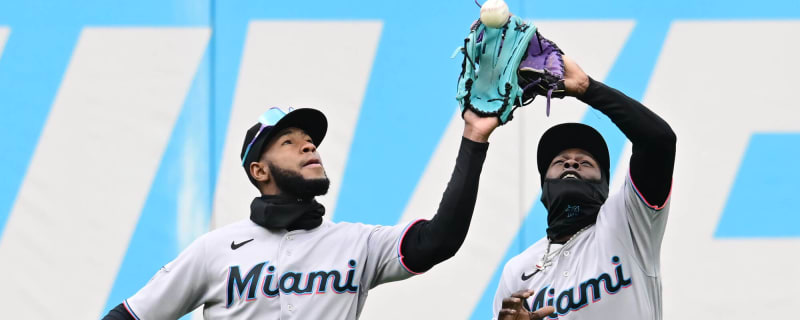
x: 494, y: 13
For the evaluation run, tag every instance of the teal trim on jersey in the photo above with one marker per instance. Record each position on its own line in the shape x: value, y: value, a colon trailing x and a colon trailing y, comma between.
x: 763, y: 200
x: 130, y: 310
x: 630, y: 74
x: 178, y: 206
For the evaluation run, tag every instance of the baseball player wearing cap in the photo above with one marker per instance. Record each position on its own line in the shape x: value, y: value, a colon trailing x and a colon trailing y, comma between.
x: 600, y: 258
x: 286, y: 262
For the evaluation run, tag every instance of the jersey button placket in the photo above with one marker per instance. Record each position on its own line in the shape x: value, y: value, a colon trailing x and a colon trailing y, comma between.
x: 565, y: 254
x: 287, y: 244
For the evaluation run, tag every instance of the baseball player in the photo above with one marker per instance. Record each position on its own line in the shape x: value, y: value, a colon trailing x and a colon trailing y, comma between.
x: 600, y: 258
x: 286, y: 262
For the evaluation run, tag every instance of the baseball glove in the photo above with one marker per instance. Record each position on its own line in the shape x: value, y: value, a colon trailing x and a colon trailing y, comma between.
x: 510, y: 77
x: 488, y: 84
x: 541, y: 72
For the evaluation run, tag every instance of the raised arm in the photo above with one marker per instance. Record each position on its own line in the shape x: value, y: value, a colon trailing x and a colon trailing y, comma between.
x: 653, y: 157
x: 429, y: 242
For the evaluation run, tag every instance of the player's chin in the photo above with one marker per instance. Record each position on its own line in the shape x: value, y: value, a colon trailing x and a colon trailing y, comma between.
x: 313, y: 171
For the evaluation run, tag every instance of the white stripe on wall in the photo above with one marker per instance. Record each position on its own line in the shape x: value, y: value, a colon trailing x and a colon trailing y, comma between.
x: 701, y: 88
x: 4, y: 32
x: 93, y: 167
x: 271, y: 76
x: 619, y: 173
x: 509, y: 184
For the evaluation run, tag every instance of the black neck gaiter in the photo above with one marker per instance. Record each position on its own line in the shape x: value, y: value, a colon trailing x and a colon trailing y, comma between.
x: 571, y: 204
x: 280, y: 212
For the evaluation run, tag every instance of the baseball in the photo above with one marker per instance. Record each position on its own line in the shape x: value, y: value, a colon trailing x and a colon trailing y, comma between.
x: 494, y: 13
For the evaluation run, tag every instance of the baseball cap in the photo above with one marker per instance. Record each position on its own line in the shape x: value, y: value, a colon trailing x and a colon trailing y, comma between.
x: 572, y: 135
x: 273, y: 121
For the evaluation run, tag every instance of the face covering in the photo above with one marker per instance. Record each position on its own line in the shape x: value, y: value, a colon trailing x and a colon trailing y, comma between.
x: 281, y: 212
x: 571, y: 204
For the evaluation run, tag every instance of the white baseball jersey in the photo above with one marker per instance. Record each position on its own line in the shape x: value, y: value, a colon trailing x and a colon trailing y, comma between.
x: 609, y: 271
x: 245, y: 271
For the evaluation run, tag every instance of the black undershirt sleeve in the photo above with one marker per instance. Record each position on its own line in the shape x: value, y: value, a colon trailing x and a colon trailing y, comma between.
x: 427, y: 243
x: 653, y: 157
x: 118, y: 313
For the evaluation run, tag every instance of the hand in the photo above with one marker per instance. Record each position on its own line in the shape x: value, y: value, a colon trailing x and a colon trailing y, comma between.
x: 512, y: 308
x: 575, y: 80
x: 477, y: 128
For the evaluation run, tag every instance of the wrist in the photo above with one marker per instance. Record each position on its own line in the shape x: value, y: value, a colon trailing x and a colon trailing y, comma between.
x: 581, y: 86
x: 590, y: 83
x: 476, y: 134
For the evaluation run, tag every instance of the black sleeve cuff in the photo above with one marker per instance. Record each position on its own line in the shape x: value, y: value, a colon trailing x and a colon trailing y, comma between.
x: 469, y: 145
x: 595, y: 91
x: 118, y: 313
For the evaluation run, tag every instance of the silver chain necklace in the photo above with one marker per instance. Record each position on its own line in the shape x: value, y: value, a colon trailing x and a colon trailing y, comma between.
x: 546, y: 260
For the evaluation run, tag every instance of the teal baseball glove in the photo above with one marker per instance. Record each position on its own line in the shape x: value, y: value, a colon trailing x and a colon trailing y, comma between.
x: 488, y: 84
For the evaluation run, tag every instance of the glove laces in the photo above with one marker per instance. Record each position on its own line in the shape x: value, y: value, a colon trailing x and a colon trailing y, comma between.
x: 549, y: 95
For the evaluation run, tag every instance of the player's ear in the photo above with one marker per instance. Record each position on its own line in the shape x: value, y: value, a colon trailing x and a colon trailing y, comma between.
x: 260, y: 171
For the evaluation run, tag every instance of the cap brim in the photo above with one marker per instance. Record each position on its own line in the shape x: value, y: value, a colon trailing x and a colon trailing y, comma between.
x: 313, y: 122
x: 571, y: 135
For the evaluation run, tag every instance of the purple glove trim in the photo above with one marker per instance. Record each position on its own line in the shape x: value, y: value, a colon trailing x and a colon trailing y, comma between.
x: 542, y: 70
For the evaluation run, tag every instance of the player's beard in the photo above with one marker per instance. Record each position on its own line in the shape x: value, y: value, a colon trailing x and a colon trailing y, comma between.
x: 293, y: 183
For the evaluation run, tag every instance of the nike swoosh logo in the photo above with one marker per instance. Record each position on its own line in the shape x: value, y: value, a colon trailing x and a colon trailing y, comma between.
x: 525, y: 278
x: 235, y: 245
